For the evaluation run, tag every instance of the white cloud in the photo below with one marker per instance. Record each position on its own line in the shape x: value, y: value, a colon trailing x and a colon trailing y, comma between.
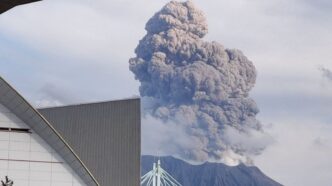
x: 301, y: 154
x: 252, y: 139
x: 162, y: 139
x: 47, y: 103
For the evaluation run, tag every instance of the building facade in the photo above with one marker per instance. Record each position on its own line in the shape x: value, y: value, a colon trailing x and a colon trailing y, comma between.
x: 27, y: 159
x: 80, y: 145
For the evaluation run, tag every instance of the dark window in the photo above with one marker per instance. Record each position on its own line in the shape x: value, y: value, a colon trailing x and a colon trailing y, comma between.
x: 19, y: 130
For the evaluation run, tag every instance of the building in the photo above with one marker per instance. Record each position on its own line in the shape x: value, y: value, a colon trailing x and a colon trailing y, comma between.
x: 8, y: 4
x: 79, y: 145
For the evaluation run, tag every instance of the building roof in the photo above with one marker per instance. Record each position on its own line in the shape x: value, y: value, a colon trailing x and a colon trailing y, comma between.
x: 8, y: 4
x: 106, y: 136
x: 11, y: 99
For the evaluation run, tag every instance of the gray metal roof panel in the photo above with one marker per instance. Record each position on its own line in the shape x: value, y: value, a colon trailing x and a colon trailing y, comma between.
x: 106, y: 136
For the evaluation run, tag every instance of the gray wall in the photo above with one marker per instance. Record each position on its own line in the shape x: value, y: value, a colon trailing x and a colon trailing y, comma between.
x: 106, y: 137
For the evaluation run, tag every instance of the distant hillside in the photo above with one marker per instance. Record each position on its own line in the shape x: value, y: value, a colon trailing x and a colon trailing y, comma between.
x: 209, y: 174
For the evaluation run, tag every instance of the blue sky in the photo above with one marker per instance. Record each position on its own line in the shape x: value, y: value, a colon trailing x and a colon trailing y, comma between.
x: 62, y: 52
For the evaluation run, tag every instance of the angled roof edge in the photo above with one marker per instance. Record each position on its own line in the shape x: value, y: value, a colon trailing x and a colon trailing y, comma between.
x: 10, y: 98
x: 5, y: 5
x: 89, y: 103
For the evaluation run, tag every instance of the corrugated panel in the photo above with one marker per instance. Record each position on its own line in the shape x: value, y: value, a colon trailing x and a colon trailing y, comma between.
x: 106, y: 137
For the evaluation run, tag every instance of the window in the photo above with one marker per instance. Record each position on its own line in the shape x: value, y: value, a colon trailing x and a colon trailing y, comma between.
x: 18, y: 130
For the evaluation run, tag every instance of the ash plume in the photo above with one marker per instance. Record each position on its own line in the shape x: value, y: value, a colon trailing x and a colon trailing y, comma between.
x: 326, y: 73
x: 201, y: 86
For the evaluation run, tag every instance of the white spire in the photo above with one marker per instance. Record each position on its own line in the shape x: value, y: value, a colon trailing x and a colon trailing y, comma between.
x: 158, y: 177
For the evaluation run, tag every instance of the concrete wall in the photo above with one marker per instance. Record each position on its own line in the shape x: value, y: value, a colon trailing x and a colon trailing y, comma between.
x: 106, y: 137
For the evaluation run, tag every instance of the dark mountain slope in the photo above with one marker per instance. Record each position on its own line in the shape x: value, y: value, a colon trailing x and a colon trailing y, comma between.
x: 209, y: 174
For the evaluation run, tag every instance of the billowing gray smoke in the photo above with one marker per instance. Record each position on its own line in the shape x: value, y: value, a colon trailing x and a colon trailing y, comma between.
x: 199, y: 85
x: 326, y: 73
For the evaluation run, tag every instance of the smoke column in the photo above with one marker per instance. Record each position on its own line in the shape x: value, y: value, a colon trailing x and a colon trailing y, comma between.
x: 326, y: 73
x: 200, y: 86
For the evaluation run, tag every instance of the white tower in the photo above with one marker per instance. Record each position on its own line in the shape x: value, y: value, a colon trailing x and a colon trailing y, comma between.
x: 158, y: 177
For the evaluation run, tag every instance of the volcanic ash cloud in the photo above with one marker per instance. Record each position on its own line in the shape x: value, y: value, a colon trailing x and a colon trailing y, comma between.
x: 199, y: 85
